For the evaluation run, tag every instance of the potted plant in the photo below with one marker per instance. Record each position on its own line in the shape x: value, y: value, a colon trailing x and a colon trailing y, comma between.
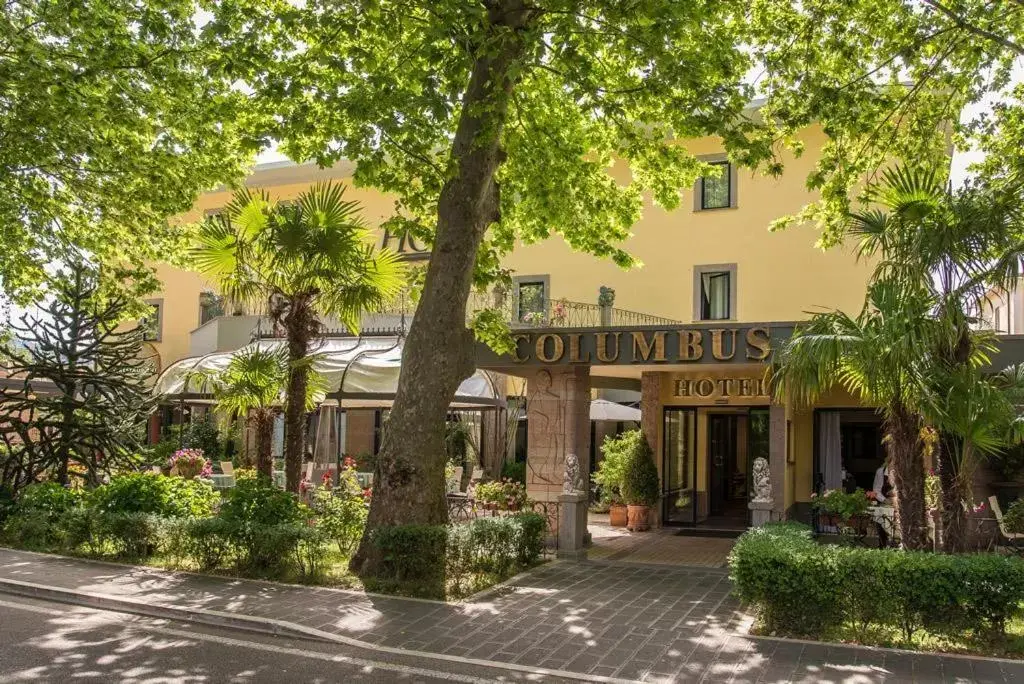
x: 640, y: 485
x: 609, y: 477
x: 501, y: 495
x: 190, y: 463
x: 840, y: 508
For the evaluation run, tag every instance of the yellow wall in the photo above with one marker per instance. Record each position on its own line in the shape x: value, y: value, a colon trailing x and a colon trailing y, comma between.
x: 780, y: 276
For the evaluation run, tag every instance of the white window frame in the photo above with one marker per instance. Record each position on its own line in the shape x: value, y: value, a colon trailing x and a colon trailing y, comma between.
x: 698, y: 188
x: 698, y: 290
x: 518, y: 281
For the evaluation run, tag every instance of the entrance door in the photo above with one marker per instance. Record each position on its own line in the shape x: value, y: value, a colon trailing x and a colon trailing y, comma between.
x: 679, y: 466
x: 721, y: 461
x: 727, y: 464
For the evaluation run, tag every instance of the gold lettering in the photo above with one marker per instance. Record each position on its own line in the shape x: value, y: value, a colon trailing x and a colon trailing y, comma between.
x: 558, y: 348
x: 745, y: 387
x: 385, y: 242
x: 515, y: 347
x: 690, y: 345
x: 642, y: 347
x: 682, y: 388
x: 759, y: 344
x: 413, y: 244
x: 723, y: 387
x: 705, y: 387
x: 574, y: 349
x: 601, y: 347
x: 716, y: 344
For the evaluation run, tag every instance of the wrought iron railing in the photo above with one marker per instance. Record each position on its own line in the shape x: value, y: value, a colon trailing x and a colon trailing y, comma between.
x: 546, y: 313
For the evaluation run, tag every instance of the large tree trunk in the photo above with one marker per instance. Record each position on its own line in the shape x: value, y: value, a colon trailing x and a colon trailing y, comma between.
x: 952, y: 504
x: 264, y: 424
x: 299, y: 324
x: 903, y: 429
x: 409, y: 482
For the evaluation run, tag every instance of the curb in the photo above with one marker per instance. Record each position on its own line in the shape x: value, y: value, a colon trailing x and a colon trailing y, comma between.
x: 122, y: 604
x: 264, y: 626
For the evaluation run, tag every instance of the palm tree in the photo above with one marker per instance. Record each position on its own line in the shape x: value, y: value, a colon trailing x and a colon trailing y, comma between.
x: 877, y: 357
x: 956, y: 245
x: 299, y: 262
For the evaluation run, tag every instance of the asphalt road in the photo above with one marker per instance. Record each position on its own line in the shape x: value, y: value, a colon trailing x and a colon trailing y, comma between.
x: 52, y: 642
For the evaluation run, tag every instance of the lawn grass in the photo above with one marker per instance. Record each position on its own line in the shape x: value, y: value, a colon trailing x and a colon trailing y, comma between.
x: 966, y: 643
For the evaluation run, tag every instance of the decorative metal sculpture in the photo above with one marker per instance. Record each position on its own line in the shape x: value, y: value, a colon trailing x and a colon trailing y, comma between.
x: 762, y: 481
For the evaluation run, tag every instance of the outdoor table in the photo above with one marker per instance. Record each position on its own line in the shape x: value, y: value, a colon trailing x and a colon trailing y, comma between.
x: 223, y: 481
x: 364, y: 479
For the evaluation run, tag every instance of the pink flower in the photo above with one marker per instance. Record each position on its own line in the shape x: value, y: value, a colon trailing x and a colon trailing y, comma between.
x: 304, y: 486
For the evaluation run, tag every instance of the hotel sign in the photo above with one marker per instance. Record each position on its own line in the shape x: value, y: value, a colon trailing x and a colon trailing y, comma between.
x: 697, y: 345
x: 405, y: 245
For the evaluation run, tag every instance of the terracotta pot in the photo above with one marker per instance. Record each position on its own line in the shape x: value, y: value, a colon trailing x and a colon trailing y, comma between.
x: 617, y: 515
x: 639, y: 518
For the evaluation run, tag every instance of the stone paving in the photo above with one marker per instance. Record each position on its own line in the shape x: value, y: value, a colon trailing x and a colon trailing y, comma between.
x: 660, y: 547
x: 620, y: 620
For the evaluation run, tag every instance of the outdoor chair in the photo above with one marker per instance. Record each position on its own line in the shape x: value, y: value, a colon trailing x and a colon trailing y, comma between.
x: 227, y: 468
x: 1013, y: 540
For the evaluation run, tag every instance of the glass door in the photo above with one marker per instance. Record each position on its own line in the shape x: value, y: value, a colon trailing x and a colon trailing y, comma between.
x: 679, y: 471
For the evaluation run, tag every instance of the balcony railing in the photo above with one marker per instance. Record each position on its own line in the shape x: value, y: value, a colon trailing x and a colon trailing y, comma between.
x: 550, y: 313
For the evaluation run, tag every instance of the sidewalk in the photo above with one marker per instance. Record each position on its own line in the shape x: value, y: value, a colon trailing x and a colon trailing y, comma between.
x: 602, y: 621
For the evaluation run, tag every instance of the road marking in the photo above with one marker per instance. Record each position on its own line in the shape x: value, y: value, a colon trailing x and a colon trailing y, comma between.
x: 284, y: 650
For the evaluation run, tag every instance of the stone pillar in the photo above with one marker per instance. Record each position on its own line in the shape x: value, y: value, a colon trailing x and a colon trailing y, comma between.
x: 572, y: 526
x: 650, y: 424
x: 558, y: 409
x: 777, y: 442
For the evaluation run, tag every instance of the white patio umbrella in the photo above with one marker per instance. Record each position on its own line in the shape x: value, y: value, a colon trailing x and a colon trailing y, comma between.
x: 602, y: 409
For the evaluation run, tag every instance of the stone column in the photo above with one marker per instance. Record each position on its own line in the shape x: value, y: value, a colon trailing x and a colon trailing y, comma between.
x: 650, y: 424
x: 777, y: 442
x: 558, y: 410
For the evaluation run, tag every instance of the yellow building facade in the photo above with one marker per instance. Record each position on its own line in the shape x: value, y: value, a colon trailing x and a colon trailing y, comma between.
x: 711, y: 268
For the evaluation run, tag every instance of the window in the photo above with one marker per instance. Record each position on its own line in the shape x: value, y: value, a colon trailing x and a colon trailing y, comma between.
x: 151, y: 325
x: 531, y: 297
x: 210, y: 306
x: 714, y: 289
x: 716, y: 188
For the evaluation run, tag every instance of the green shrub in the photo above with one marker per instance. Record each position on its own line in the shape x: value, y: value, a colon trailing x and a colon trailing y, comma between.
x: 77, y: 527
x: 612, y: 468
x: 47, y: 498
x: 514, y: 471
x: 1014, y: 516
x: 309, y: 550
x: 412, y: 553
x: 155, y: 494
x: 530, y: 538
x: 6, y: 501
x: 640, y: 485
x: 133, y: 535
x: 31, y: 530
x: 801, y: 587
x: 340, y: 515
x: 257, y: 502
x: 208, y: 542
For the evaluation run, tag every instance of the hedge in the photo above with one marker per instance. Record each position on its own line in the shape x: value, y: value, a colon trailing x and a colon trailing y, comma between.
x: 804, y: 588
x: 420, y: 559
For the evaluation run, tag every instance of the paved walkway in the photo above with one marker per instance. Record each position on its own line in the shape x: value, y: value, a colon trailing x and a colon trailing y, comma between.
x: 660, y: 546
x: 631, y: 622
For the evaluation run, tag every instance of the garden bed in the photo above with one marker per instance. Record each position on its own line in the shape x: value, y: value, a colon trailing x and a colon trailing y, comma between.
x: 261, y: 532
x: 968, y: 603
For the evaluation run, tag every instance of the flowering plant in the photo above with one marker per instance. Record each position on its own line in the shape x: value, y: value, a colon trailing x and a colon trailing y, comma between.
x: 506, y: 494
x: 840, y: 504
x: 558, y: 310
x: 327, y: 480
x: 188, y: 463
x: 368, y: 494
x: 304, y: 486
x: 533, y: 318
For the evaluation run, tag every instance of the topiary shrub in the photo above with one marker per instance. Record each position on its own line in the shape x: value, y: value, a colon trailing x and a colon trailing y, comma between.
x: 208, y: 542
x: 612, y: 467
x: 412, y: 558
x: 801, y: 587
x: 640, y: 485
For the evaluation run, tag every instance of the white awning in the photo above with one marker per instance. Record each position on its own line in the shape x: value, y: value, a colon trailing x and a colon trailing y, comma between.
x: 602, y: 409
x: 361, y: 372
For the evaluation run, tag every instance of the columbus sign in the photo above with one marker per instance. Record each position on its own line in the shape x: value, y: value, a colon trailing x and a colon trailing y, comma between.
x: 689, y: 345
